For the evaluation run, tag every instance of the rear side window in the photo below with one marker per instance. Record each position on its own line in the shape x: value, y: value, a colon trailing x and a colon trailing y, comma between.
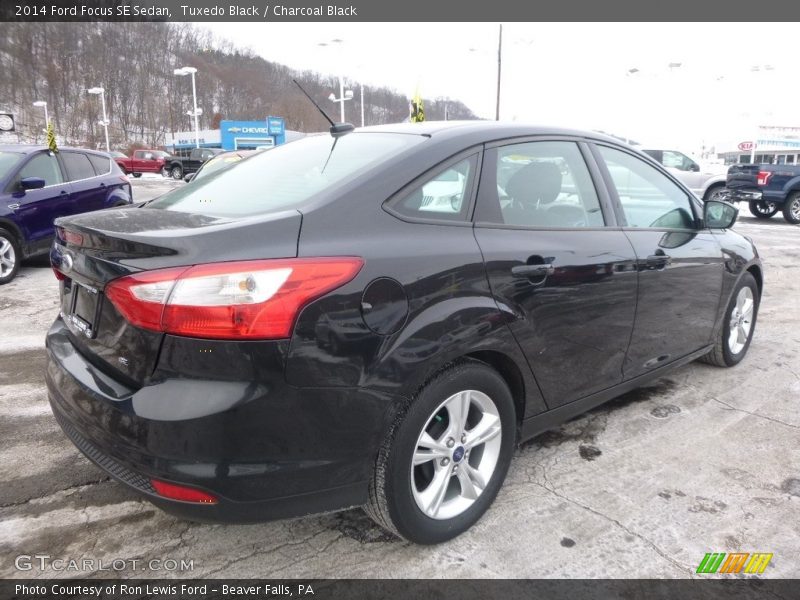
x: 77, y: 166
x: 44, y: 166
x: 101, y: 164
x: 539, y: 185
x: 648, y: 197
x: 444, y: 196
x: 287, y: 176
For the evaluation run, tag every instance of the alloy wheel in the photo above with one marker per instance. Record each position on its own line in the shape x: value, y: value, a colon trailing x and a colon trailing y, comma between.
x: 794, y: 208
x: 8, y: 258
x: 456, y: 454
x: 741, y: 320
x: 765, y: 207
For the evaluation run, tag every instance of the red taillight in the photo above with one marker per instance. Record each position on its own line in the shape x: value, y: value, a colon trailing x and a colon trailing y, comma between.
x: 181, y: 492
x: 59, y: 275
x: 257, y: 299
x: 764, y: 176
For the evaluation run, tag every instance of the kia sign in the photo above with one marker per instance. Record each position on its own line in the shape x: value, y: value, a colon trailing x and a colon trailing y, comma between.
x: 746, y: 146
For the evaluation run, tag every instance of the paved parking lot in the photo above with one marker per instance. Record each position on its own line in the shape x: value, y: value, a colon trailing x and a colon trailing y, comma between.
x: 704, y: 460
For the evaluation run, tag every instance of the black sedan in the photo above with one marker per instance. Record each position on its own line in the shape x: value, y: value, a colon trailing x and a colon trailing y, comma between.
x: 375, y: 319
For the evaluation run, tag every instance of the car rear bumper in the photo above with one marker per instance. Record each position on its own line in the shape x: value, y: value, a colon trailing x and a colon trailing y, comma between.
x: 284, y: 452
x: 741, y: 195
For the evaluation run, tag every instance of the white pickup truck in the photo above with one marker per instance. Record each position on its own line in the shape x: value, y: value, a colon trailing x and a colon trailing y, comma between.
x: 706, y: 181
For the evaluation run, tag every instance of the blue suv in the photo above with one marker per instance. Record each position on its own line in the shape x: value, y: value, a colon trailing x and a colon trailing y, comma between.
x: 37, y: 186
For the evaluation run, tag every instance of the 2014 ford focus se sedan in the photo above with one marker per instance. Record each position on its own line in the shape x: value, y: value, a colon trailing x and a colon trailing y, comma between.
x: 376, y: 319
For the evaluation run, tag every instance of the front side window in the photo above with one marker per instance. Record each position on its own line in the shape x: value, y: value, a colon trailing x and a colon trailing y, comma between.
x: 677, y: 160
x: 648, y: 198
x: 287, y: 176
x: 77, y: 165
x: 43, y: 166
x: 539, y: 184
x: 443, y: 196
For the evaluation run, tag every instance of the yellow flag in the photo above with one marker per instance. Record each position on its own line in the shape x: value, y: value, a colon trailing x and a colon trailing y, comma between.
x: 417, y: 109
x: 51, y: 138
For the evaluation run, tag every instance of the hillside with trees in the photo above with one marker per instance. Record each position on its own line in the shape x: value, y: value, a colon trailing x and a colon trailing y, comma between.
x: 134, y: 62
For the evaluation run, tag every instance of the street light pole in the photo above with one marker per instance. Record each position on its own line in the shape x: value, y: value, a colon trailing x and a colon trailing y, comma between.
x: 102, y: 93
x: 343, y: 96
x: 499, y: 65
x: 362, y: 103
x: 191, y: 71
x: 196, y: 116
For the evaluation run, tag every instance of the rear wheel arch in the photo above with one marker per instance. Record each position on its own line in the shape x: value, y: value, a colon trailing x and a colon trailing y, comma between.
x: 509, y: 371
x: 14, y: 229
x: 712, y: 190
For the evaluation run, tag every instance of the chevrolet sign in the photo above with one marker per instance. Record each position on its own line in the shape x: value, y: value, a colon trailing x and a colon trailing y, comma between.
x: 248, y: 130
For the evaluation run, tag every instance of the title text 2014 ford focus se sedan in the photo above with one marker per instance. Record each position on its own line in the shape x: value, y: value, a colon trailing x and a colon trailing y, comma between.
x: 376, y: 319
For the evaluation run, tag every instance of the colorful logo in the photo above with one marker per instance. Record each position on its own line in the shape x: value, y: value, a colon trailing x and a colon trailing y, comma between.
x: 753, y: 564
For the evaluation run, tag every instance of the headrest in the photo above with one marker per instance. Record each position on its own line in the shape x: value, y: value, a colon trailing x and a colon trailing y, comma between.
x: 536, y: 181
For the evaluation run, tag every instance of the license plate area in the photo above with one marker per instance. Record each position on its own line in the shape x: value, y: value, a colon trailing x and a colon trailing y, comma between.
x: 83, y: 309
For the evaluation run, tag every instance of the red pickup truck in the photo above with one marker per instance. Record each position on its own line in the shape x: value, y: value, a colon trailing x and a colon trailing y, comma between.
x: 142, y: 161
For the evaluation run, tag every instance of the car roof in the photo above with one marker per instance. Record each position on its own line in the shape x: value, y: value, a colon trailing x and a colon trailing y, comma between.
x: 31, y: 148
x: 487, y: 130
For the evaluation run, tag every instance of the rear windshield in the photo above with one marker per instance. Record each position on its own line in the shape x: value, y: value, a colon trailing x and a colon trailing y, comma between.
x: 7, y: 162
x: 286, y: 176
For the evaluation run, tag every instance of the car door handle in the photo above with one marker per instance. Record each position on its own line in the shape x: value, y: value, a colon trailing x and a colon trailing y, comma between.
x: 64, y: 193
x: 533, y: 270
x: 658, y: 261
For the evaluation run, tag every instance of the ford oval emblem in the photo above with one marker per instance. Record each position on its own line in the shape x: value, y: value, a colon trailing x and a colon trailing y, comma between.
x: 66, y: 263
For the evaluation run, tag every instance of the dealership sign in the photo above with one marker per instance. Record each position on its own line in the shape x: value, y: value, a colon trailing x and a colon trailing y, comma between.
x: 238, y: 135
x: 746, y: 146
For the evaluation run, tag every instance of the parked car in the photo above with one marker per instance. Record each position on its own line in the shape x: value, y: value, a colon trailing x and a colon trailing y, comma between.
x: 37, y: 186
x: 117, y: 154
x: 303, y: 332
x: 707, y: 181
x: 178, y: 166
x: 767, y: 189
x: 216, y: 163
x: 143, y: 161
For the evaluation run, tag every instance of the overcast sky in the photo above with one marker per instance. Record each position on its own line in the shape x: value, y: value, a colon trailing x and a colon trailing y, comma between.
x: 569, y: 74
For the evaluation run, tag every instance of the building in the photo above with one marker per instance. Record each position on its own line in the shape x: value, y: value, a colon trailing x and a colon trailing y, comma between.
x: 234, y: 135
x: 773, y: 145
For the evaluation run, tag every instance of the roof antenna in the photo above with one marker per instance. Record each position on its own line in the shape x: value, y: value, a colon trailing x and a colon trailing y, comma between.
x: 336, y: 129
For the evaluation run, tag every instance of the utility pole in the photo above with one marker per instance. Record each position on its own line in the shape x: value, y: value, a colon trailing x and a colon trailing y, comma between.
x: 499, y: 66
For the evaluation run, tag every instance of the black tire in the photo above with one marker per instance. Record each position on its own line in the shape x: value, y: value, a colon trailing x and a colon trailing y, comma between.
x: 791, y: 208
x: 392, y: 503
x: 176, y: 172
x: 722, y: 355
x: 714, y: 192
x: 762, y: 209
x: 10, y: 256
x: 137, y: 175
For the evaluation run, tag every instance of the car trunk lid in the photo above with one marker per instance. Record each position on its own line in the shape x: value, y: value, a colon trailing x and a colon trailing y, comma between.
x: 94, y: 249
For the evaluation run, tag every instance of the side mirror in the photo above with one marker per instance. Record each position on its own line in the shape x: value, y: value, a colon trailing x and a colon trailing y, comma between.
x: 719, y: 215
x: 188, y: 177
x: 31, y: 183
x: 694, y: 167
